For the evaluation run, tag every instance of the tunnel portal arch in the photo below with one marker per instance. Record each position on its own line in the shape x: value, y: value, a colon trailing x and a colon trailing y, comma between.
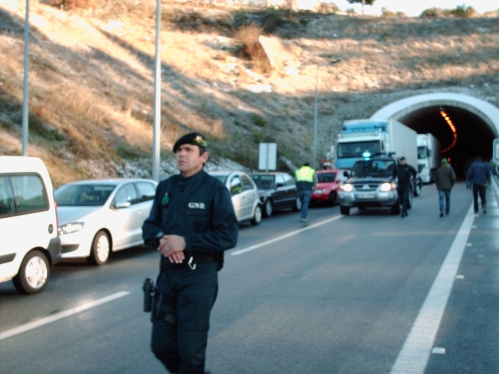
x: 487, y: 112
x: 476, y: 123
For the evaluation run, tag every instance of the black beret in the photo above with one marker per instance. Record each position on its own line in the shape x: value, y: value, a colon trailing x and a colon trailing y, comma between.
x: 194, y: 138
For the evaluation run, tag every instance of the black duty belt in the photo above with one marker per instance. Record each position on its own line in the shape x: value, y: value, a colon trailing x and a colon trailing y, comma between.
x: 166, y: 264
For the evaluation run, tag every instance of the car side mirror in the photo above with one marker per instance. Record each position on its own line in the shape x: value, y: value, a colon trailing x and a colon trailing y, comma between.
x: 126, y: 204
x: 345, y: 174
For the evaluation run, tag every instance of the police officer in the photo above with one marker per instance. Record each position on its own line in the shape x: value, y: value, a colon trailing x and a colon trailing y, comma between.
x: 403, y: 173
x: 306, y: 180
x: 192, y: 222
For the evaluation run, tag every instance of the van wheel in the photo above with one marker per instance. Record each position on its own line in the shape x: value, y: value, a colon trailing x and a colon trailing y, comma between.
x: 33, y: 274
x: 257, y: 217
x: 268, y: 208
x: 345, y: 210
x: 101, y: 247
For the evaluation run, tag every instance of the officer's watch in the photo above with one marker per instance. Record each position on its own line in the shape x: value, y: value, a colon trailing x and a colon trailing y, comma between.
x: 158, y: 237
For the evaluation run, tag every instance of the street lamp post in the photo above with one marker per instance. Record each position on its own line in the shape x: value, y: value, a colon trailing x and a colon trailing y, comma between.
x: 315, y: 107
x: 157, y: 99
x: 25, y: 123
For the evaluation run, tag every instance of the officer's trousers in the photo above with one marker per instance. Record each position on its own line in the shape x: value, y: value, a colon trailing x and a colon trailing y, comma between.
x: 181, y: 347
x: 404, y: 190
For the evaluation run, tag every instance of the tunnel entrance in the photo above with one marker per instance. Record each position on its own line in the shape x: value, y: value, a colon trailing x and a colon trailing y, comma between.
x: 474, y: 121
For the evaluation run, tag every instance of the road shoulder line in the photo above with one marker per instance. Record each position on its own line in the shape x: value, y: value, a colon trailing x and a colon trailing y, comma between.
x: 416, y: 350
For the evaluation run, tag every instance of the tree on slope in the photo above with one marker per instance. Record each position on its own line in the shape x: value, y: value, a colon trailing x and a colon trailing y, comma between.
x: 364, y: 2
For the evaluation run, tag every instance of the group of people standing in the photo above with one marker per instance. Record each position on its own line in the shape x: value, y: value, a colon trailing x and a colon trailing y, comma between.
x: 478, y: 176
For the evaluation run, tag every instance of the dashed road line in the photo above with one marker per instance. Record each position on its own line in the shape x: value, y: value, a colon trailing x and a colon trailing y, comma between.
x: 55, y: 317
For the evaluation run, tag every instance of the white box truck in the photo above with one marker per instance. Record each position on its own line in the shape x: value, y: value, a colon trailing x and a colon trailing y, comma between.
x: 429, y: 154
x: 366, y: 138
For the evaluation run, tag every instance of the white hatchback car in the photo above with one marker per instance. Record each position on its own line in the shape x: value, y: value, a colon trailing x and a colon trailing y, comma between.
x: 244, y: 193
x: 97, y: 217
x: 28, y: 223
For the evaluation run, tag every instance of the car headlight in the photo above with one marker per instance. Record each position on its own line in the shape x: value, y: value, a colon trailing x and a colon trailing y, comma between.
x: 320, y: 191
x: 347, y: 187
x: 385, y: 187
x: 71, y: 228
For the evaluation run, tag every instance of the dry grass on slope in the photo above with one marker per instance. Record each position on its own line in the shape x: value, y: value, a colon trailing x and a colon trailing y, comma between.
x: 91, y: 79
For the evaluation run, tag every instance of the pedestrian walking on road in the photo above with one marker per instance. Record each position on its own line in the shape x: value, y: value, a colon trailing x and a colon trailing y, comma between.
x: 192, y: 223
x: 479, y: 174
x: 404, y: 173
x: 466, y: 167
x: 306, y: 180
x: 445, y: 177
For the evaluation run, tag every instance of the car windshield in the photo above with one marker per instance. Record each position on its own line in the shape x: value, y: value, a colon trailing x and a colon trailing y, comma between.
x: 83, y: 194
x: 373, y: 168
x: 325, y: 177
x: 263, y: 181
x: 221, y: 178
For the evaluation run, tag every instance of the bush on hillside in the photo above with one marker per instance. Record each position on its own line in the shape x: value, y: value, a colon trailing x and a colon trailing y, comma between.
x: 72, y: 4
x: 459, y: 11
x: 463, y: 11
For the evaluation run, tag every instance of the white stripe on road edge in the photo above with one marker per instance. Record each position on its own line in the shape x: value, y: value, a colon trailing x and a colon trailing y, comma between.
x: 61, y: 315
x: 416, y: 350
x: 292, y: 233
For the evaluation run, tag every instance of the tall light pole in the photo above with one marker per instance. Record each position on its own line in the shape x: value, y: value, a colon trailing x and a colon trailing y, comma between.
x: 25, y: 129
x: 314, y: 156
x: 157, y: 99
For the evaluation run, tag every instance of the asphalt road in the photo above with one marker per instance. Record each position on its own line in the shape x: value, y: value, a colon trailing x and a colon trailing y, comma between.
x: 365, y: 293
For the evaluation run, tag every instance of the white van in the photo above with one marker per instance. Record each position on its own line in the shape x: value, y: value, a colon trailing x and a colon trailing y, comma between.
x: 29, y: 242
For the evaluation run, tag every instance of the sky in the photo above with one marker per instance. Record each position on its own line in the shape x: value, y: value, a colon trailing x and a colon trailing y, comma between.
x: 413, y: 8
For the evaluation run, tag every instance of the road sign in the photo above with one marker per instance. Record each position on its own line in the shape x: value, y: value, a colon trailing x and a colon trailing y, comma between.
x: 267, y: 158
x: 495, y: 150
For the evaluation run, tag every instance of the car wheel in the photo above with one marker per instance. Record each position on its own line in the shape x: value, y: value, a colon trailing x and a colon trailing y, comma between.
x: 268, y: 208
x: 297, y: 206
x: 33, y: 274
x: 409, y: 202
x: 332, y: 198
x: 345, y: 210
x: 101, y: 248
x: 257, y: 217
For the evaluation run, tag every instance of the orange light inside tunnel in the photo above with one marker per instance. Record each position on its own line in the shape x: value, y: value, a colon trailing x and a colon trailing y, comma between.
x: 453, y: 129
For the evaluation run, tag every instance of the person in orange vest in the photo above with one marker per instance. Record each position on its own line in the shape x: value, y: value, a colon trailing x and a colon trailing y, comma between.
x: 306, y: 180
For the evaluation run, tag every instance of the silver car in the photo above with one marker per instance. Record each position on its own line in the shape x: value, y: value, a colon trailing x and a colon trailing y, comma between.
x: 97, y: 217
x: 244, y: 193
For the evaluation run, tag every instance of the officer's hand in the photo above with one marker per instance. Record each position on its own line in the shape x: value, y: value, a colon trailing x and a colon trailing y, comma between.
x: 176, y: 257
x: 172, y: 244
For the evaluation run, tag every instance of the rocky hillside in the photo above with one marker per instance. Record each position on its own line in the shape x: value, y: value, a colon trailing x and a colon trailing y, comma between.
x: 91, y: 79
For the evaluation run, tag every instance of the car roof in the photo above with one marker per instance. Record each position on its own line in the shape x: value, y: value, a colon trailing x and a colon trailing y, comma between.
x: 112, y: 181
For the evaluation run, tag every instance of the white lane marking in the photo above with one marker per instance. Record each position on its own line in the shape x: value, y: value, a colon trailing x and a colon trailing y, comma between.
x: 55, y: 317
x: 416, y: 350
x: 289, y: 234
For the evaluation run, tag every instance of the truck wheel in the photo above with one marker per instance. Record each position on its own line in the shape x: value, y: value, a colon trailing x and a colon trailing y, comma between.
x: 33, y: 273
x: 345, y: 210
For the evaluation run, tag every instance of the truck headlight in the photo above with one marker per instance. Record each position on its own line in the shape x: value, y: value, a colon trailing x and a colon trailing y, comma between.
x: 71, y: 228
x: 385, y: 187
x: 347, y: 187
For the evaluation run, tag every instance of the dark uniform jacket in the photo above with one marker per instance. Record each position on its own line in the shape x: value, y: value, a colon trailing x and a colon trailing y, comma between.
x: 403, y: 173
x: 445, y: 178
x: 200, y: 209
x: 479, y: 173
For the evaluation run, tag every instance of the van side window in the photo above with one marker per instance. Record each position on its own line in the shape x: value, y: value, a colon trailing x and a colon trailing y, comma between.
x: 6, y: 197
x: 29, y: 193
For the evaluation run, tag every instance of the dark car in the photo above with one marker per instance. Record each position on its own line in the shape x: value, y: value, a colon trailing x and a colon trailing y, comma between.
x: 277, y: 192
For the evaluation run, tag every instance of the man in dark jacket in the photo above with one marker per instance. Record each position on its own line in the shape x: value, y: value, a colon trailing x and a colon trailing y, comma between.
x: 479, y: 174
x: 444, y: 180
x: 403, y: 172
x: 192, y: 222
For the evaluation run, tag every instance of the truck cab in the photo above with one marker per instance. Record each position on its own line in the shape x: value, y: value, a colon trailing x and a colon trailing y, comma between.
x: 371, y: 184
